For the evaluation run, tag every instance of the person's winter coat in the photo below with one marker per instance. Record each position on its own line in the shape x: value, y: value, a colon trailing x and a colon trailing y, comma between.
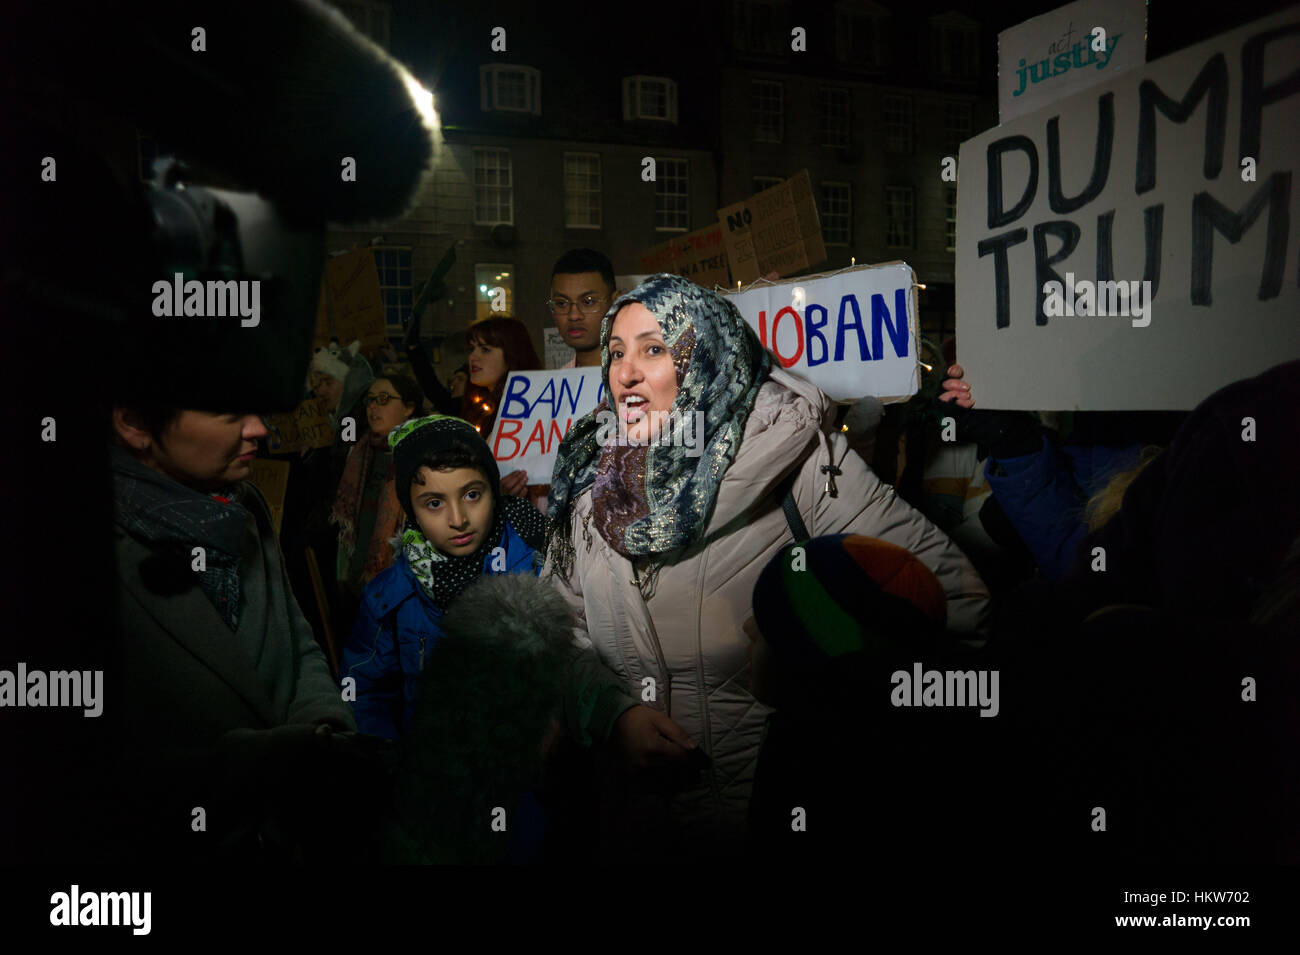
x: 395, y: 632
x: 677, y: 638
x: 1204, y: 529
x: 187, y: 677
x: 1043, y: 495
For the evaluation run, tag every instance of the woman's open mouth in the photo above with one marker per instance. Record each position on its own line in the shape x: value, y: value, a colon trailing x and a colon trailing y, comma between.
x: 634, y: 408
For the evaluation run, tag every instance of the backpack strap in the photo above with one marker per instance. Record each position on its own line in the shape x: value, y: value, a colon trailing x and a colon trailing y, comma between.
x: 791, y: 509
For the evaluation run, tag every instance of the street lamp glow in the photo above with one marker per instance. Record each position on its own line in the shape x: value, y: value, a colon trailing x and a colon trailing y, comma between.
x: 422, y: 98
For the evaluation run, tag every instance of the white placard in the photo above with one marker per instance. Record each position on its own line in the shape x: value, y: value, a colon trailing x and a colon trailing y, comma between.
x: 851, y: 333
x: 537, y: 410
x: 1138, y: 196
x: 1057, y: 54
x: 558, y: 354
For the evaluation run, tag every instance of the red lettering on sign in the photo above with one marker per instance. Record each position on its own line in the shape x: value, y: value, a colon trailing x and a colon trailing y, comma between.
x: 509, y: 428
x: 798, y: 330
x: 538, y: 435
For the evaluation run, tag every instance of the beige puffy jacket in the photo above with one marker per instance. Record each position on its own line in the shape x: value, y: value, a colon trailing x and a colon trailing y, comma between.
x: 684, y: 628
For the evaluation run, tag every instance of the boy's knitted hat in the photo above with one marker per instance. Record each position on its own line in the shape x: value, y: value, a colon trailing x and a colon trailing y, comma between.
x: 846, y: 594
x: 413, y: 440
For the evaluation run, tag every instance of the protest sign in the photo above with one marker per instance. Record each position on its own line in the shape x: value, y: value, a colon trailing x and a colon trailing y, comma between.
x: 1145, y: 265
x: 356, y: 298
x: 306, y: 426
x: 1058, y: 53
x: 851, y: 333
x: 272, y: 479
x: 537, y: 410
x: 625, y: 283
x: 699, y: 256
x: 556, y: 353
x: 777, y: 230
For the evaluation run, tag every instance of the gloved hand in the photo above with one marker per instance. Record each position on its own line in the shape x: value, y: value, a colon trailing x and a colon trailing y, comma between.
x: 1002, y: 434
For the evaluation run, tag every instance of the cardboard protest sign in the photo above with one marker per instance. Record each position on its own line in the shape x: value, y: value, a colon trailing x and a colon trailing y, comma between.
x: 537, y: 410
x: 851, y: 333
x: 699, y: 256
x: 776, y: 230
x: 357, y: 300
x: 272, y: 479
x: 1054, y: 55
x: 1150, y: 261
x: 306, y: 426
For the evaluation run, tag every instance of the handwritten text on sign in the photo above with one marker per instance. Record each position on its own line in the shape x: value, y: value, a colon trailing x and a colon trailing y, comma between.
x: 1181, y: 174
x: 537, y: 410
x: 851, y: 334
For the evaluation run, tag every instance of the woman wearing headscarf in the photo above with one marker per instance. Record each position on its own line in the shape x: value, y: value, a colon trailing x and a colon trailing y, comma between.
x: 657, y: 547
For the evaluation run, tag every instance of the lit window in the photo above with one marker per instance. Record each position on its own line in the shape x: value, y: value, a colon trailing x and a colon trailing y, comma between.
x: 489, y: 276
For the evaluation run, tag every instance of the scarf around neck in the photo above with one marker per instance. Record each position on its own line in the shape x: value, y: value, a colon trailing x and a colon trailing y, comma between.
x: 347, y: 509
x: 654, y: 499
x: 443, y: 577
x: 174, y: 518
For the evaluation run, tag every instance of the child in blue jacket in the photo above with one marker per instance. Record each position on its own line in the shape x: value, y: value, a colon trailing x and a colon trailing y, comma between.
x: 458, y: 527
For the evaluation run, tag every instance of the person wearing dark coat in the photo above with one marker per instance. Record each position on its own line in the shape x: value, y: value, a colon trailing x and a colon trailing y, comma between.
x: 220, y: 668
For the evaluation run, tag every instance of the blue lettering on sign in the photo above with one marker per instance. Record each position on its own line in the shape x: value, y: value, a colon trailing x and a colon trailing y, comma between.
x: 856, y: 325
x: 516, y: 403
x: 515, y: 392
x: 897, y: 328
x: 815, y: 335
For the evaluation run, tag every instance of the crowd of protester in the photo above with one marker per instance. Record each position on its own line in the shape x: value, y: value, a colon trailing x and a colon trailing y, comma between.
x: 687, y: 654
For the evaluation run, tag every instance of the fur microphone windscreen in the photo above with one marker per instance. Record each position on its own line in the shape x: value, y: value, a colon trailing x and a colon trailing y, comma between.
x: 279, y: 95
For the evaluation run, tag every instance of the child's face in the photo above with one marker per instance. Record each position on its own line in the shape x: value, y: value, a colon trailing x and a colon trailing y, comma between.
x: 453, y: 508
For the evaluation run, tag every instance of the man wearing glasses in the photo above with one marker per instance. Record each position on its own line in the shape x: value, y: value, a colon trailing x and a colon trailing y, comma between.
x: 582, y: 288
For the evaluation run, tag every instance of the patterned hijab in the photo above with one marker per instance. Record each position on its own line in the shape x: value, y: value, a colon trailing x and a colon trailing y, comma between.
x: 654, y: 499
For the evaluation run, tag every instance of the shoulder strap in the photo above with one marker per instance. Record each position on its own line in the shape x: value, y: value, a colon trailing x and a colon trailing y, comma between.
x: 791, y: 509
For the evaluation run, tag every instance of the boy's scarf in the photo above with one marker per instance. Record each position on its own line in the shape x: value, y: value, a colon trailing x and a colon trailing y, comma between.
x: 347, y: 507
x: 160, y: 511
x: 655, y: 499
x: 443, y: 577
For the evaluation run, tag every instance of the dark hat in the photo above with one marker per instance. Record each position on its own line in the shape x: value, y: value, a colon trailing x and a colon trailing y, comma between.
x: 413, y: 441
x: 843, y: 595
